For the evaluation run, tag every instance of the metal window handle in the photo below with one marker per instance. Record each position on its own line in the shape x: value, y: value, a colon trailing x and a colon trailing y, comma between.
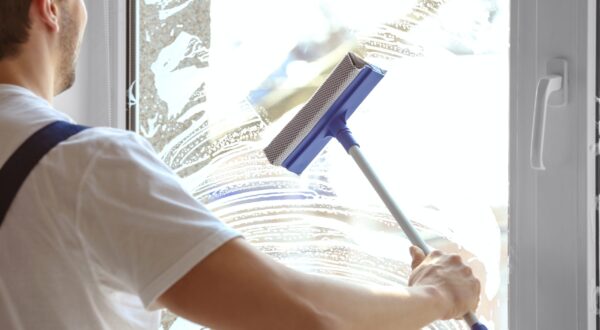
x: 546, y: 86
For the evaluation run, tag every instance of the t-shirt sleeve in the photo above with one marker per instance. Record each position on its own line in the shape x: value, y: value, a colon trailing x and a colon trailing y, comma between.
x: 141, y: 229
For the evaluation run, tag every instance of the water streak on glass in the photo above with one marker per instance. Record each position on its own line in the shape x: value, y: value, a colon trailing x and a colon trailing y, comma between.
x: 219, y: 80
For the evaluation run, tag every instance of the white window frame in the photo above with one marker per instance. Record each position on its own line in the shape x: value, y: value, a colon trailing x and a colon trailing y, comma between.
x: 552, y: 217
x: 552, y: 225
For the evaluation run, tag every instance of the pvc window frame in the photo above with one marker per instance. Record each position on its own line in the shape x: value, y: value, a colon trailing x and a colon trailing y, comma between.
x: 553, y: 212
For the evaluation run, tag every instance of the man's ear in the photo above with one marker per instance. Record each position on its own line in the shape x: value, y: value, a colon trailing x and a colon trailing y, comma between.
x: 46, y: 12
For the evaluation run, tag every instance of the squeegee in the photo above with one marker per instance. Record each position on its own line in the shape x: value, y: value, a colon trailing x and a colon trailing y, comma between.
x: 324, y: 117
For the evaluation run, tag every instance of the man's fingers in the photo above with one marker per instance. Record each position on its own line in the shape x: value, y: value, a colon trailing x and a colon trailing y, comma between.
x: 417, y: 255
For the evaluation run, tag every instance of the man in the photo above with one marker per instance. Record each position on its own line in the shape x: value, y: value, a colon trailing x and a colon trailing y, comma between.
x: 101, y: 235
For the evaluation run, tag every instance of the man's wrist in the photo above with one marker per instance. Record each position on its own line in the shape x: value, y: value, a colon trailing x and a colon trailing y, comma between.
x: 435, y: 300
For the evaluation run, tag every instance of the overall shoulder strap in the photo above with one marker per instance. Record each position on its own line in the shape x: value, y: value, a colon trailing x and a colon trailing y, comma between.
x: 23, y: 161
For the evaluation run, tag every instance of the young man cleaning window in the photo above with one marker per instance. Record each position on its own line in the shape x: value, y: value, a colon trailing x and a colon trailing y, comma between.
x: 97, y: 233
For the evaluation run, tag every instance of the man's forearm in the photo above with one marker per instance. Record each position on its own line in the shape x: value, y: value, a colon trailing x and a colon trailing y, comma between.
x: 237, y: 287
x: 358, y: 307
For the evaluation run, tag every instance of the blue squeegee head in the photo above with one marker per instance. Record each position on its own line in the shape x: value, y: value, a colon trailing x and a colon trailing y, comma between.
x: 308, y: 132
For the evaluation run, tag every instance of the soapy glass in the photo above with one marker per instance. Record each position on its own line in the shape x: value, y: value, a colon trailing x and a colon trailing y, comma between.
x: 218, y: 80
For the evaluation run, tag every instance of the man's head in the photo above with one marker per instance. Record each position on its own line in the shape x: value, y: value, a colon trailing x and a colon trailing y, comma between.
x: 44, y: 33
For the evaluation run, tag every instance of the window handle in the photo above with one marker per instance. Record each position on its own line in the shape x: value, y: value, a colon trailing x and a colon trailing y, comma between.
x: 546, y: 86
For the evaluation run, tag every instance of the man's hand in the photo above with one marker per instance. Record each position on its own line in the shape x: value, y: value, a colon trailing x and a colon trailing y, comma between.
x: 458, y: 289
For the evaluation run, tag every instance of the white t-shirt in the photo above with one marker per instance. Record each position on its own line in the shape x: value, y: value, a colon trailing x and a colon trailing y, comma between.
x: 98, y: 231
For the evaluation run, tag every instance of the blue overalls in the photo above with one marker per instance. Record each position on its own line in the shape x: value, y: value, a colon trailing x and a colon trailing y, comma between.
x: 27, y: 156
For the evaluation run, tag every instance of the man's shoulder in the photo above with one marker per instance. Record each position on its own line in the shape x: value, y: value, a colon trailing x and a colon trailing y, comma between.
x: 99, y: 149
x: 106, y: 139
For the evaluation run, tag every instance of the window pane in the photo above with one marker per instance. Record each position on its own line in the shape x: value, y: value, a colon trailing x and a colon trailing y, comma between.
x: 219, y: 79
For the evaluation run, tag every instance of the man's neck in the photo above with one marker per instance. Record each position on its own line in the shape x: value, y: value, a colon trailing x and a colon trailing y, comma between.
x: 28, y: 72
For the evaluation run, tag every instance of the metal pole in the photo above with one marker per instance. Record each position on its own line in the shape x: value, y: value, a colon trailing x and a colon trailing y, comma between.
x: 383, y: 193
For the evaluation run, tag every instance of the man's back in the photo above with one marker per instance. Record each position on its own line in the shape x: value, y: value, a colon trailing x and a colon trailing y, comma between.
x: 98, y: 230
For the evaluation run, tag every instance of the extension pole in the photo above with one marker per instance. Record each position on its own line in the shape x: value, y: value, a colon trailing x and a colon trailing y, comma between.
x: 407, y: 227
x: 383, y: 193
